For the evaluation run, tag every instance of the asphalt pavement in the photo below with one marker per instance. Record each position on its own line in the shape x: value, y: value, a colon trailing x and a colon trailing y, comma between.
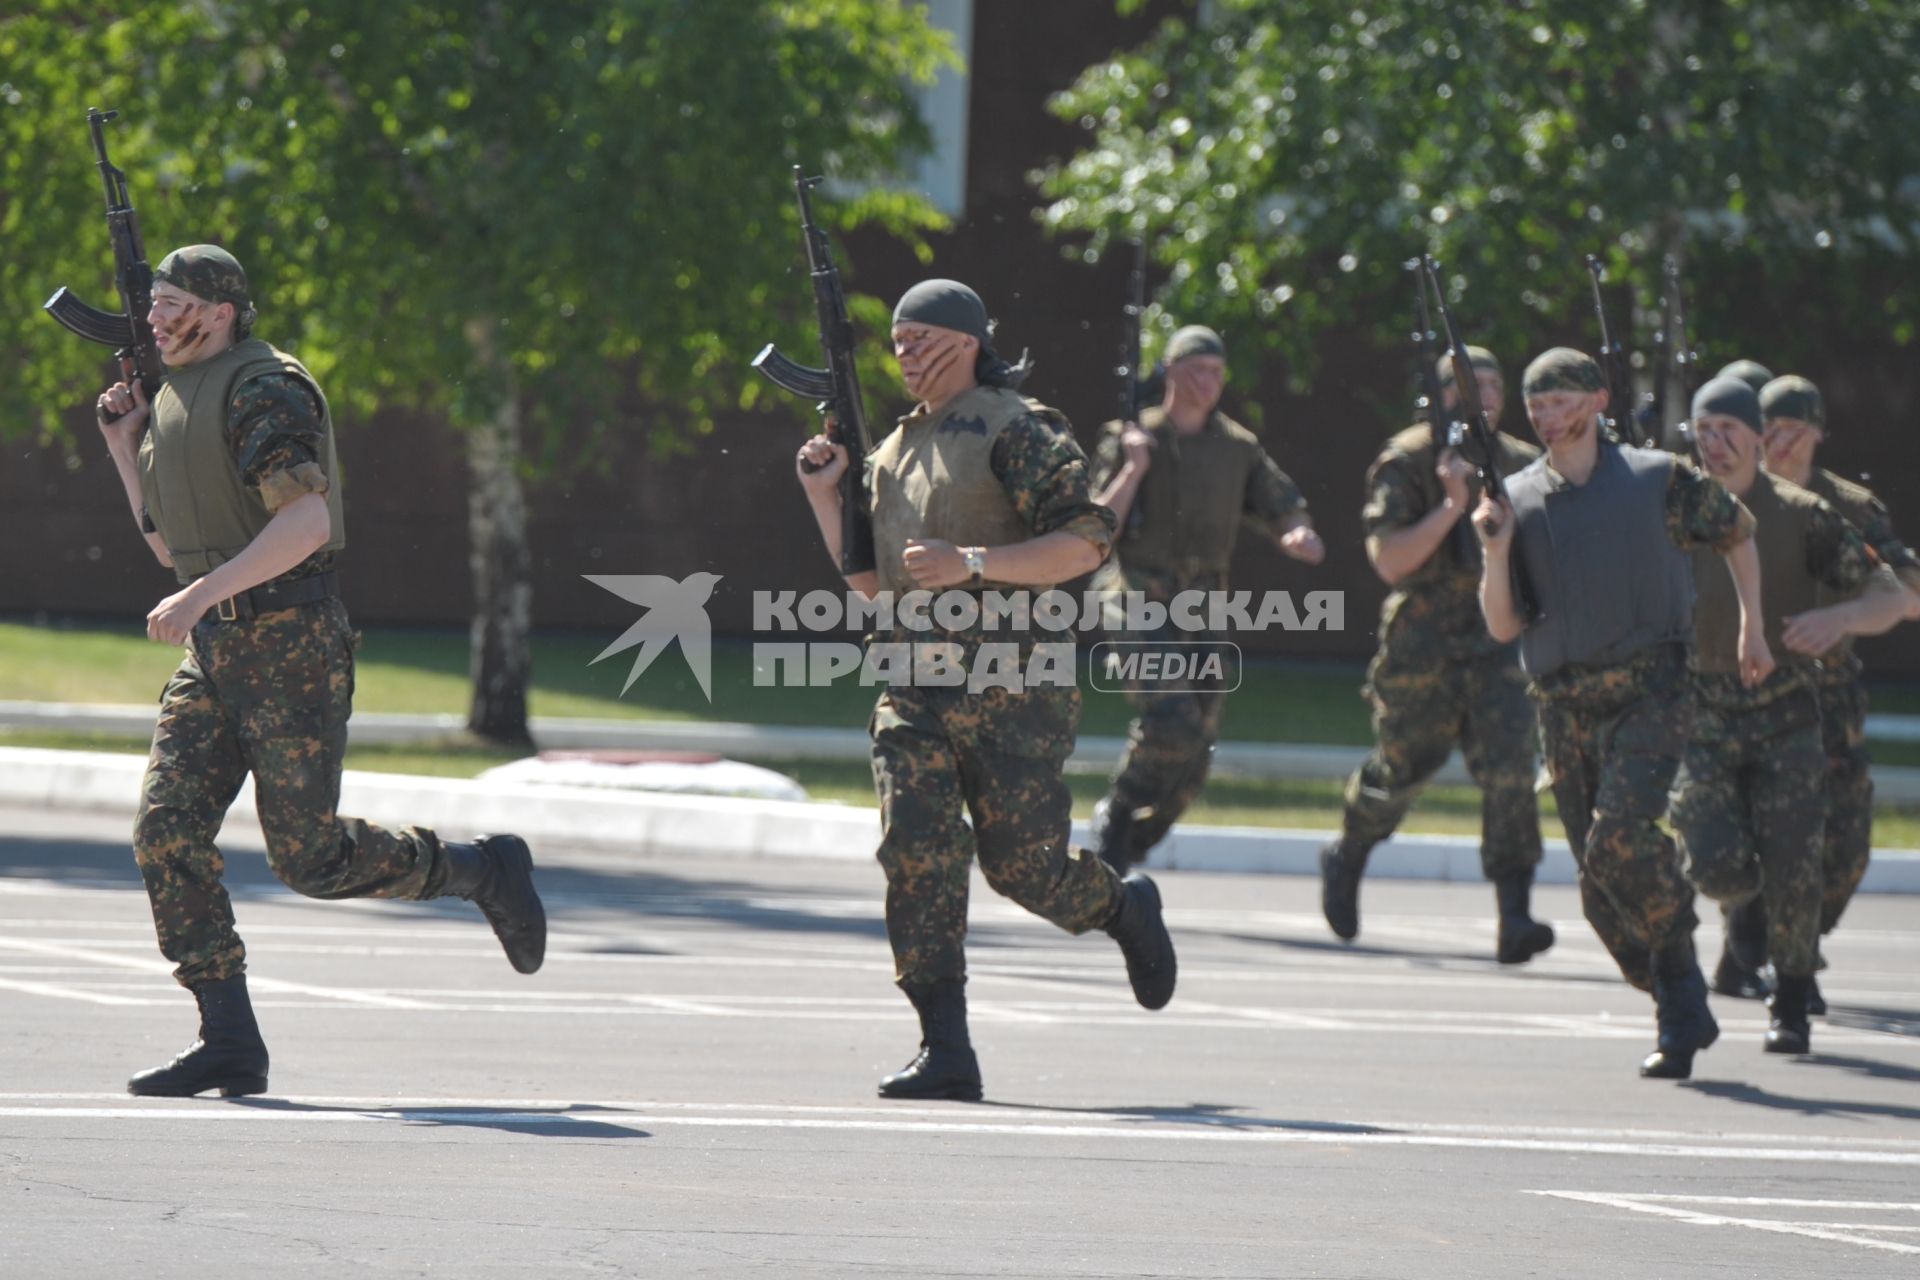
x: 686, y: 1090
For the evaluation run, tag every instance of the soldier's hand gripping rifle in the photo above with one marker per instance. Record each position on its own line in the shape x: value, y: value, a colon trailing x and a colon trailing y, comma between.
x: 1613, y: 362
x: 126, y: 330
x: 1472, y: 433
x: 834, y: 389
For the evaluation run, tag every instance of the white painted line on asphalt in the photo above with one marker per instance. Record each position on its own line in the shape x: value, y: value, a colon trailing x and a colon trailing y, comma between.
x: 1673, y: 1207
x: 49, y: 947
x: 60, y: 991
x: 1155, y: 1129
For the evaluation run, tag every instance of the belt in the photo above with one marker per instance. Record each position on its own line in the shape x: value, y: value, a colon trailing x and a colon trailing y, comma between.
x: 247, y: 605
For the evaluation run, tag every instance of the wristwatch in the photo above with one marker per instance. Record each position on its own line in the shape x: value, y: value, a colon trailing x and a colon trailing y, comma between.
x: 976, y: 558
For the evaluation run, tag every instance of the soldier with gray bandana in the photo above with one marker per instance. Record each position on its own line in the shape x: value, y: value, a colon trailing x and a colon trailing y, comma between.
x: 976, y: 488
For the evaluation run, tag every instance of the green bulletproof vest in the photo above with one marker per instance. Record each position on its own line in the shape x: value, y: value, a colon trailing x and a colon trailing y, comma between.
x: 1192, y: 497
x: 189, y: 478
x: 1781, y: 514
x: 933, y: 478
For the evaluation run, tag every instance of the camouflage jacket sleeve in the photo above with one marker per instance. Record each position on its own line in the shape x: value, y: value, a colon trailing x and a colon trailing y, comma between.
x: 1044, y: 474
x: 1876, y: 530
x: 1396, y: 496
x: 1837, y: 556
x: 1702, y: 513
x: 1108, y: 457
x: 277, y: 435
x: 1273, y: 503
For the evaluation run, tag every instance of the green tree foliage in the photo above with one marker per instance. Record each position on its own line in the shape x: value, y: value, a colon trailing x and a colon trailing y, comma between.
x: 1285, y: 157
x: 598, y: 191
x: 550, y: 222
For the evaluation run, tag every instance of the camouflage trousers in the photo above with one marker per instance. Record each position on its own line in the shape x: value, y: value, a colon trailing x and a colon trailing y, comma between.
x: 1749, y: 811
x: 1849, y: 833
x: 1419, y: 713
x: 1169, y: 750
x: 1613, y: 738
x: 270, y: 697
x: 942, y: 755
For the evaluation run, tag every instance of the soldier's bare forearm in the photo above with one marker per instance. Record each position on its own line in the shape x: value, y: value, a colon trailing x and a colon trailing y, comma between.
x: 1120, y: 492
x: 1743, y: 562
x: 1879, y: 608
x: 1496, y: 596
x: 1399, y: 552
x: 296, y: 531
x: 1049, y: 558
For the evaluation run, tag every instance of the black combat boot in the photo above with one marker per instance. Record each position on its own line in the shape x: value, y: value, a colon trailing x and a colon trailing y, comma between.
x: 1788, y: 1032
x: 1521, y: 936
x: 496, y: 875
x: 1744, y: 952
x: 1141, y: 930
x: 1113, y: 834
x: 945, y: 1067
x: 1680, y: 999
x: 229, y: 1055
x: 1341, y: 864
x: 1816, y: 1003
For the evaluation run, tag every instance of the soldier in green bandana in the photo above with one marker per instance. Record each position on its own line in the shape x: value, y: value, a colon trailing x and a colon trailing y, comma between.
x: 1439, y: 680
x: 232, y: 475
x: 1795, y: 425
x: 1182, y: 483
x: 976, y: 491
x: 1748, y: 809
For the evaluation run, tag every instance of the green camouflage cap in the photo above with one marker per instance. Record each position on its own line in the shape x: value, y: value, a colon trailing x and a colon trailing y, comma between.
x: 1751, y: 372
x: 1479, y: 357
x: 1562, y: 369
x: 206, y: 271
x: 1195, y: 340
x: 1792, y: 396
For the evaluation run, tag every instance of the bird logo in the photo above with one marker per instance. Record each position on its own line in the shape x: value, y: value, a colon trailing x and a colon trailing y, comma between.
x: 674, y: 611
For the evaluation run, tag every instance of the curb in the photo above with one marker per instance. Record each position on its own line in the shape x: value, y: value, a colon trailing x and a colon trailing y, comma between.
x: 642, y: 822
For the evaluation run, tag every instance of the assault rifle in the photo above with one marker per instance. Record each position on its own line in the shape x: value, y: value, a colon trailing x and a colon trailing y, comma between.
x: 1472, y: 432
x: 1432, y: 401
x: 126, y: 330
x: 1679, y: 362
x: 1613, y: 363
x: 1136, y: 392
x: 834, y: 389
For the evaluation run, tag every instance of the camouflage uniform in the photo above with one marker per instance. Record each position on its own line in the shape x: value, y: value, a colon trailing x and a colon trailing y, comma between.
x: 1749, y: 809
x: 995, y: 755
x: 1199, y: 491
x: 1613, y: 737
x: 268, y: 696
x: 1438, y: 679
x: 1843, y: 707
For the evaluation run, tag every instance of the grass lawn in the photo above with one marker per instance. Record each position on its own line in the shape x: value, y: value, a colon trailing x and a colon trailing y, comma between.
x: 1234, y: 802
x: 422, y: 671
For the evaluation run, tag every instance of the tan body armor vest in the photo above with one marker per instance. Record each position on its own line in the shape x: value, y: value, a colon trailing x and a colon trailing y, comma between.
x: 1781, y: 512
x: 189, y: 478
x: 1192, y: 498
x: 933, y: 478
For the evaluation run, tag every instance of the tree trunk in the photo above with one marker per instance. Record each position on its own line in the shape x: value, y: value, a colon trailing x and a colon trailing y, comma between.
x: 502, y: 566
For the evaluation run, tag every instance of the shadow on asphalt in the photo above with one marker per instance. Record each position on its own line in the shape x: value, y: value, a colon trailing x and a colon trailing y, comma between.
x: 1206, y: 1115
x: 558, y: 1122
x: 1897, y: 1022
x: 579, y: 892
x: 1753, y: 1095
